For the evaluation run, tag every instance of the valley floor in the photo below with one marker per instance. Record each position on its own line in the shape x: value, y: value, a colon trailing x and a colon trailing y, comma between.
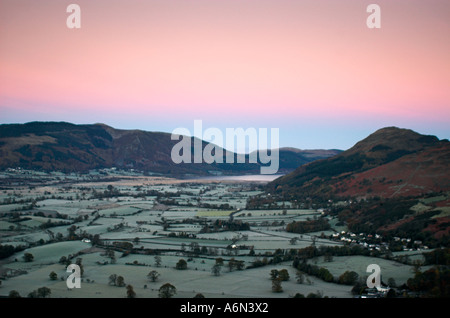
x: 132, y: 220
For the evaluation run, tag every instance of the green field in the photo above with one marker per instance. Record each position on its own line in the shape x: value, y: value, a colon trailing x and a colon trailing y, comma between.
x: 213, y: 213
x: 176, y: 224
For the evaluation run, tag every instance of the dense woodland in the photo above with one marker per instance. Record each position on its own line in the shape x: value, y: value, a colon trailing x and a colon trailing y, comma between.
x: 392, y: 218
x: 301, y: 227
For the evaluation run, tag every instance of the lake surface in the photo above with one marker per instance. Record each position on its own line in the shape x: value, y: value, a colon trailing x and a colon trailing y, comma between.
x: 250, y: 177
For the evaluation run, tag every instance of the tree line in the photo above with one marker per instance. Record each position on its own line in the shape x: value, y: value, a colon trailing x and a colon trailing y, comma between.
x: 300, y: 227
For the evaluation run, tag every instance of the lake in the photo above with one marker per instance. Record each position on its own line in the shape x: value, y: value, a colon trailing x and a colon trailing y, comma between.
x: 250, y: 177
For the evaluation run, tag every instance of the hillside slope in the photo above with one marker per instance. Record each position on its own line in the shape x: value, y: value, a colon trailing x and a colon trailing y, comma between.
x: 390, y: 162
x: 68, y: 147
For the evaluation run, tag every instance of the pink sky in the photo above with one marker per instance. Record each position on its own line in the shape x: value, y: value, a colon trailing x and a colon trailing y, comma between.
x: 294, y: 65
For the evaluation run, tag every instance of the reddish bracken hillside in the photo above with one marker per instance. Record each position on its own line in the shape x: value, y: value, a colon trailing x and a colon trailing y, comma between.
x: 411, y: 175
x: 391, y: 162
x: 395, y: 182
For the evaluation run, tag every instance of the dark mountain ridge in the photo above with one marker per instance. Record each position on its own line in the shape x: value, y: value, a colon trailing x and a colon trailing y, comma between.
x: 67, y: 147
x: 395, y: 182
x: 389, y: 162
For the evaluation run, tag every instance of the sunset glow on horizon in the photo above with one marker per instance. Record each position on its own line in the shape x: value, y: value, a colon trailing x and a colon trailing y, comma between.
x: 311, y: 68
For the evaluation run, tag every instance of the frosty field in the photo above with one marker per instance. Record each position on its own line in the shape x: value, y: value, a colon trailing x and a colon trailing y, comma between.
x: 121, y: 228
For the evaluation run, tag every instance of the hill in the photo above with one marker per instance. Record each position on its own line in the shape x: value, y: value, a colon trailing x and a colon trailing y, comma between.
x: 61, y: 146
x: 390, y: 162
x: 395, y: 182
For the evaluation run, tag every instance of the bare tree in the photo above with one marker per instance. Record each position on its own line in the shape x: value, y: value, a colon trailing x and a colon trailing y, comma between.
x: 130, y: 292
x: 158, y: 261
x: 276, y: 285
x: 167, y: 291
x: 120, y: 282
x: 153, y: 276
x: 112, y: 279
x: 216, y: 269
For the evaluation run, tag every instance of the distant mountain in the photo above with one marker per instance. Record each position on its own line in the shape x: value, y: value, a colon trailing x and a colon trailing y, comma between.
x: 391, y: 162
x: 68, y: 147
x: 292, y: 158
